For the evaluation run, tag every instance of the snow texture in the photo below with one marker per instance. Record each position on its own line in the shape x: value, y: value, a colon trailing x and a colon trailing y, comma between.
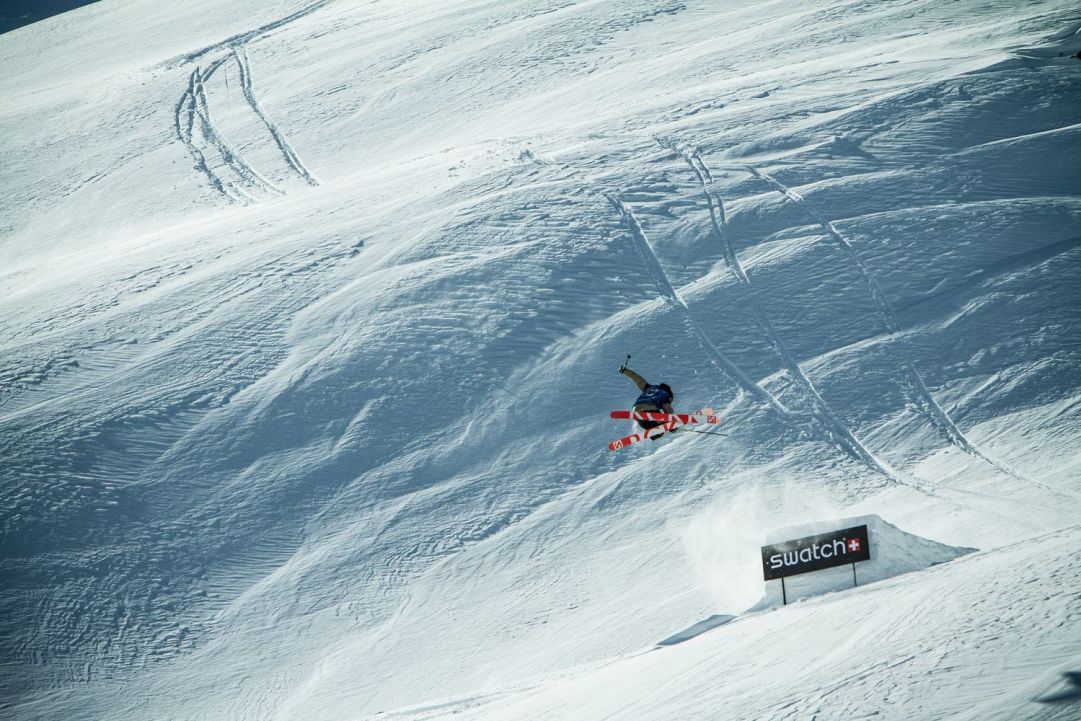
x: 310, y: 312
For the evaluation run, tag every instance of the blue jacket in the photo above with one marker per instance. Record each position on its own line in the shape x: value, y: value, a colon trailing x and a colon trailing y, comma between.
x: 654, y: 396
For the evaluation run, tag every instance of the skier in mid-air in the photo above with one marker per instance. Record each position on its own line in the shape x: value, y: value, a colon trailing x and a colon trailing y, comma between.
x: 653, y: 399
x: 653, y: 411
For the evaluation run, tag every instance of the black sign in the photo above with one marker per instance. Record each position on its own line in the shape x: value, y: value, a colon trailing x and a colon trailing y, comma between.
x: 816, y: 552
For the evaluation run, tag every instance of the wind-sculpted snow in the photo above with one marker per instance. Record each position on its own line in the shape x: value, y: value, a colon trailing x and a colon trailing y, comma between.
x: 312, y: 311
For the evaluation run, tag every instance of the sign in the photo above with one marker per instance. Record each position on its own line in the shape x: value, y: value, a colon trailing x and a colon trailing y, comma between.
x: 814, y: 553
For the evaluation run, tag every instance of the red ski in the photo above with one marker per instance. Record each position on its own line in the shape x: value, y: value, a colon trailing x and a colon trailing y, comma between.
x: 668, y: 421
x: 642, y: 435
x: 687, y: 419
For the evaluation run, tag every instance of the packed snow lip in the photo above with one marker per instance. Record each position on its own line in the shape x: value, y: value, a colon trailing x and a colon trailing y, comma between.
x: 311, y: 312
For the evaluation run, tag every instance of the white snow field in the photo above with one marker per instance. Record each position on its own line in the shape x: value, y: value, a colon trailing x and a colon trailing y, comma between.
x: 310, y: 316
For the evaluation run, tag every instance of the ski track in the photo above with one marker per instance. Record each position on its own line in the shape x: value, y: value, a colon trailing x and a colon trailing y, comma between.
x: 194, y: 105
x: 211, y: 133
x: 186, y: 110
x: 913, y: 382
x: 836, y: 429
x: 197, y: 103
x: 251, y: 35
x: 286, y: 149
x: 835, y: 432
x: 655, y: 269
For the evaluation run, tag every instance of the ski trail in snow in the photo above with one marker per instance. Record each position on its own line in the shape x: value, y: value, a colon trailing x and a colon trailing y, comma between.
x: 194, y: 101
x: 885, y: 308
x: 837, y: 430
x: 197, y: 105
x: 185, y: 128
x: 213, y: 136
x: 196, y: 129
x: 250, y: 35
x: 838, y: 436
x: 913, y: 382
x: 672, y: 296
x: 286, y: 149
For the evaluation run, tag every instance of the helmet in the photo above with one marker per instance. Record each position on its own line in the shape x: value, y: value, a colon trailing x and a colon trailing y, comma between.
x: 668, y: 389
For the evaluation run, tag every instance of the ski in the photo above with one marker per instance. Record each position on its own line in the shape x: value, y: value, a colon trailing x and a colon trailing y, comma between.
x: 642, y: 435
x: 682, y: 418
x: 669, y: 423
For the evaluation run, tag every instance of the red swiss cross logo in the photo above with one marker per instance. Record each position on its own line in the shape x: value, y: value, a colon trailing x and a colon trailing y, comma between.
x: 853, y: 545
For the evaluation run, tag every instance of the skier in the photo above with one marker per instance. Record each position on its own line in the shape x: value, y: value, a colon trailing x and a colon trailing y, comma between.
x: 653, y: 399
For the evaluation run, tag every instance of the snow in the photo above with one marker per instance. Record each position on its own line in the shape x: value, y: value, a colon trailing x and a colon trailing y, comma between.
x: 310, y: 313
x: 919, y: 646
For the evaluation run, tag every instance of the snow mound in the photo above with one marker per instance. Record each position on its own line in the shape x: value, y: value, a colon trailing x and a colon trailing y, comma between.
x: 893, y: 552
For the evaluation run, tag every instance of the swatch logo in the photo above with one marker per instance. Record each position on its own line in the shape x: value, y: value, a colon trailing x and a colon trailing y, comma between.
x: 814, y: 553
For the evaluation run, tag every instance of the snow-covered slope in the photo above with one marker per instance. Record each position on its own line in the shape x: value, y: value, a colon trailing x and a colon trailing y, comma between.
x: 309, y: 320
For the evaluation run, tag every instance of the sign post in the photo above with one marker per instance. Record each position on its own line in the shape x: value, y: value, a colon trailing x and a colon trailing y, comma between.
x: 814, y: 553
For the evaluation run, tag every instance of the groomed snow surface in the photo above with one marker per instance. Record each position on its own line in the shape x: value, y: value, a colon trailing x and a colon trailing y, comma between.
x: 310, y: 314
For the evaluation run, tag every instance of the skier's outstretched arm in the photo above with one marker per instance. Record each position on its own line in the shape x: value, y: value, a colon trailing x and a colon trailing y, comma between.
x: 635, y: 378
x: 667, y: 408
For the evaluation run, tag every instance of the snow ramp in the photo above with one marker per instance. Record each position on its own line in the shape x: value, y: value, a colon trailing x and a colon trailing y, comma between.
x: 893, y: 552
